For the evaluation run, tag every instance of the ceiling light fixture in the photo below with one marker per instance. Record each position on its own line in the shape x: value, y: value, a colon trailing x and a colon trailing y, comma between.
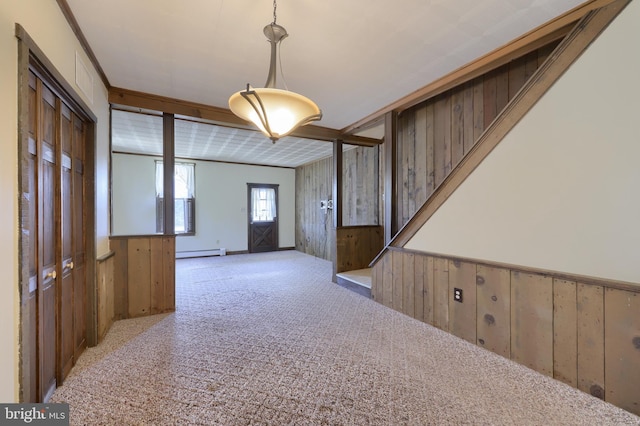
x: 276, y: 112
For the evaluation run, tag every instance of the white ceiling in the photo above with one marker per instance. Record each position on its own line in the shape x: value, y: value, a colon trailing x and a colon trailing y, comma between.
x: 141, y: 133
x: 352, y: 58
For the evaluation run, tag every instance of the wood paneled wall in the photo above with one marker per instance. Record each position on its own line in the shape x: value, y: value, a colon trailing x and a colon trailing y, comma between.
x: 144, y: 275
x: 314, y: 225
x: 435, y: 135
x: 584, y: 332
x: 105, y: 269
x: 357, y: 246
x: 360, y: 206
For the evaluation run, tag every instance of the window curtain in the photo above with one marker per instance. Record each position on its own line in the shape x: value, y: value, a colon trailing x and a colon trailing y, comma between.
x: 184, y: 180
x: 263, y: 201
x: 159, y: 180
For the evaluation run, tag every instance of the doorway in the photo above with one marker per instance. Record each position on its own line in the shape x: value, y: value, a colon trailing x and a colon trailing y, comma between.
x: 262, y: 217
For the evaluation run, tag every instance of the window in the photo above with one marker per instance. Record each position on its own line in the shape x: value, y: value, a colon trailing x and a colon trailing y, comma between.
x: 263, y: 204
x: 184, y: 194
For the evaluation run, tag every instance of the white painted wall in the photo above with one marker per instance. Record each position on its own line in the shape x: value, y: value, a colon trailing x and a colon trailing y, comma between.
x: 47, y: 26
x: 133, y: 194
x: 560, y: 192
x: 221, y: 202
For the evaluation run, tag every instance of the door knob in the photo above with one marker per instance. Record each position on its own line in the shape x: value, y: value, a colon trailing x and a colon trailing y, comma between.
x: 69, y: 265
x: 52, y: 275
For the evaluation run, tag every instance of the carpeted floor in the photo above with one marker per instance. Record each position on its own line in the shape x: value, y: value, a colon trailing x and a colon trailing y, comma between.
x: 268, y: 339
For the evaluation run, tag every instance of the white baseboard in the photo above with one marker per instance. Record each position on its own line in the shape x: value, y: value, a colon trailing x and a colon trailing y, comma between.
x: 201, y: 253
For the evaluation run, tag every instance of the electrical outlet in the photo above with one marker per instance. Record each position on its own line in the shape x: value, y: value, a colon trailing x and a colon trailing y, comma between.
x: 457, y: 294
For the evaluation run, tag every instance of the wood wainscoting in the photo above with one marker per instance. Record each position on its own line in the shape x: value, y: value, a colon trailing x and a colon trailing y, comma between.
x: 105, y: 269
x: 144, y: 275
x: 580, y: 330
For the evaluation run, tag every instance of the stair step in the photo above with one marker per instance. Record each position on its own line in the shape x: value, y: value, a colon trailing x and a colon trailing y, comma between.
x: 361, y: 277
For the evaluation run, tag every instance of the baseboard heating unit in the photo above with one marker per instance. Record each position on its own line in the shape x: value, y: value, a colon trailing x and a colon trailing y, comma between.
x: 201, y: 253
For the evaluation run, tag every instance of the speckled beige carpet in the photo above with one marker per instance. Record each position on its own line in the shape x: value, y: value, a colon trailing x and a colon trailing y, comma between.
x: 267, y: 339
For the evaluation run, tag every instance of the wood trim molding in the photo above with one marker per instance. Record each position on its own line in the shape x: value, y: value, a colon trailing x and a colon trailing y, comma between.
x: 66, y: 11
x: 338, y: 177
x: 390, y: 176
x: 168, y: 170
x: 105, y: 256
x: 128, y: 237
x: 584, y: 33
x: 223, y: 117
x: 583, y: 279
x: 534, y: 39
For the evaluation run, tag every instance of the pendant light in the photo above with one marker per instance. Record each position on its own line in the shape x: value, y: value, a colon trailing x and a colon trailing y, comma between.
x: 276, y: 112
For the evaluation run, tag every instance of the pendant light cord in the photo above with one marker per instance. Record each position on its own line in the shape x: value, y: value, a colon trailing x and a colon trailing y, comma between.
x: 275, y: 19
x: 275, y: 6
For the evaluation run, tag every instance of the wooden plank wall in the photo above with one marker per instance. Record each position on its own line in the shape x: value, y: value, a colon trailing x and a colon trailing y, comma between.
x: 435, y: 135
x: 357, y: 246
x: 105, y: 268
x: 360, y: 186
x: 314, y: 225
x: 581, y: 332
x: 432, y: 139
x: 360, y: 206
x: 144, y: 275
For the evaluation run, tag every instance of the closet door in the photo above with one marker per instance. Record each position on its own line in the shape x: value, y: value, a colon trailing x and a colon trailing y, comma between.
x: 56, y: 306
x: 30, y: 230
x: 47, y: 266
x: 66, y: 231
x: 71, y: 289
x: 79, y: 241
x: 53, y: 239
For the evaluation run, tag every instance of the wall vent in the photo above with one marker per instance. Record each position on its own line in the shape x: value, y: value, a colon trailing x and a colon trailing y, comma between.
x: 84, y: 79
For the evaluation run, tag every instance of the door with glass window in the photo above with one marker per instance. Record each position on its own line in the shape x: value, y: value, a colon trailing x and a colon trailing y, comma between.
x: 263, y: 217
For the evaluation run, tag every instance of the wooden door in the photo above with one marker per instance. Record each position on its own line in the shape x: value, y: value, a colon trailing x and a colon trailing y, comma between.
x: 78, y: 245
x: 54, y: 312
x: 72, y: 294
x: 47, y: 266
x: 66, y: 232
x: 30, y: 230
x: 263, y: 217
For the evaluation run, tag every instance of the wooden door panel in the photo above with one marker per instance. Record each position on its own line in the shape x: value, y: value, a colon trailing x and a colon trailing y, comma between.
x: 30, y: 229
x: 78, y: 246
x: 263, y: 237
x: 65, y: 356
x: 79, y: 308
x: 66, y: 295
x: 48, y: 179
x: 47, y: 297
x: 47, y: 290
x: 47, y: 330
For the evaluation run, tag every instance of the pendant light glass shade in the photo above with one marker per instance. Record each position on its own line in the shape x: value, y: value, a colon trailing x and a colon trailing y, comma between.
x: 276, y: 112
